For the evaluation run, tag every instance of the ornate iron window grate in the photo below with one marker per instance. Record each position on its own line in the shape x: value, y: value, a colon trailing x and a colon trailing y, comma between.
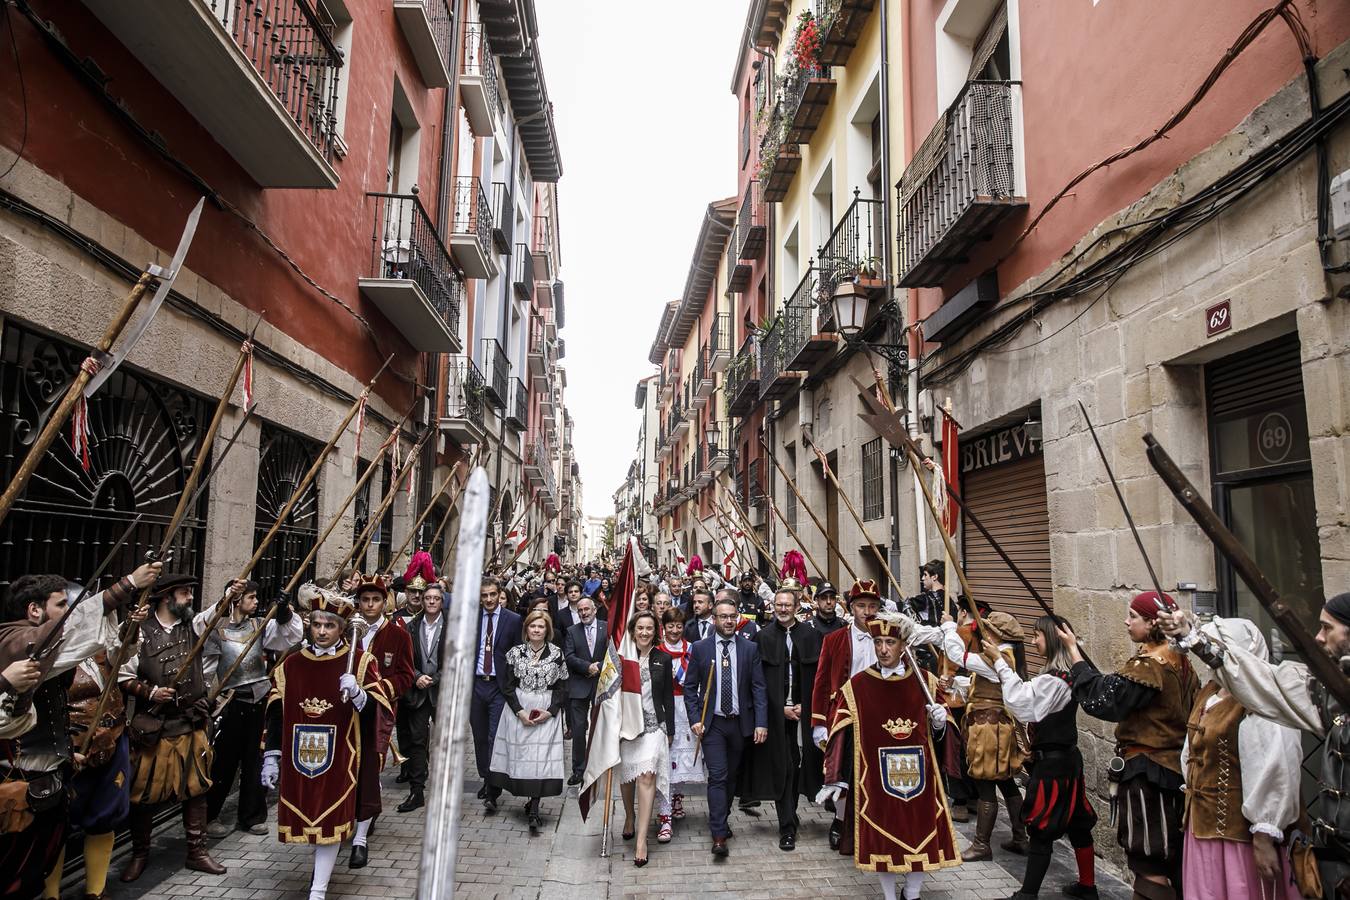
x: 287, y: 458
x: 874, y: 495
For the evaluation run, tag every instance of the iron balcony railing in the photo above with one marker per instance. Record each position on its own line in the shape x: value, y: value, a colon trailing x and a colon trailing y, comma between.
x: 854, y: 249
x: 522, y: 269
x: 405, y: 245
x: 520, y: 405
x: 478, y: 60
x: 798, y: 322
x: 497, y: 372
x: 719, y: 336
x: 738, y: 271
x: 470, y: 212
x: 750, y: 222
x: 291, y: 48
x: 464, y: 389
x: 965, y: 162
x: 539, y: 455
x: 503, y: 216
x: 771, y: 350
x: 742, y: 382
x: 795, y: 90
x: 543, y: 234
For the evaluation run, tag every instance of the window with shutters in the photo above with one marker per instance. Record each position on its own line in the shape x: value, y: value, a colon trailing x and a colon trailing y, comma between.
x: 873, y: 489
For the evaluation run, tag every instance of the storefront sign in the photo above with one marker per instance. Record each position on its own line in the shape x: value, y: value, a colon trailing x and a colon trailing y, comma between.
x: 1218, y: 319
x: 1007, y: 445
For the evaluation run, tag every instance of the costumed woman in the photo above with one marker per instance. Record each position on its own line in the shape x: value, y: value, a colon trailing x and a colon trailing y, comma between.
x: 527, y: 755
x: 685, y: 766
x: 645, y: 759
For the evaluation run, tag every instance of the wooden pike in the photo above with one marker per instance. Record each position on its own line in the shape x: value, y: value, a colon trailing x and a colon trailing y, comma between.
x: 534, y: 497
x: 362, y: 542
x: 536, y: 536
x: 801, y: 501
x: 412, y: 532
x: 742, y: 524
x: 285, y: 511
x: 792, y: 531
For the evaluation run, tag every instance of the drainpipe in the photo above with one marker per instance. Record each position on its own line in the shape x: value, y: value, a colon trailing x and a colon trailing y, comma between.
x: 769, y: 246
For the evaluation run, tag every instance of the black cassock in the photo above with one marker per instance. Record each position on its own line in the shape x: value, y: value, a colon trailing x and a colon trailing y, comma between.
x: 767, y: 766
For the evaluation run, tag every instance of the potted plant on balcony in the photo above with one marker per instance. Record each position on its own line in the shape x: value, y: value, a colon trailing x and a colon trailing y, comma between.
x: 806, y: 43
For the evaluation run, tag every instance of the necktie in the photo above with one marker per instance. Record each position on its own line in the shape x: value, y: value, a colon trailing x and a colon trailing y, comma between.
x: 487, y: 646
x: 590, y: 638
x: 725, y: 681
x: 789, y: 668
x: 702, y: 628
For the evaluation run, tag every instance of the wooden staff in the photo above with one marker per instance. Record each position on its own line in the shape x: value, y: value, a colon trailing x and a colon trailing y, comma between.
x: 712, y: 538
x: 747, y: 529
x: 801, y: 501
x: 515, y: 524
x: 730, y: 534
x: 703, y: 716
x: 300, y: 488
x: 362, y: 542
x: 479, y: 460
x: 792, y: 531
x: 58, y: 418
x: 609, y: 805
x: 537, y: 535
x: 454, y: 503
x: 412, y: 532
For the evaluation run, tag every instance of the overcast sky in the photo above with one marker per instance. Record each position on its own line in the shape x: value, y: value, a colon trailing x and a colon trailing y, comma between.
x: 642, y: 97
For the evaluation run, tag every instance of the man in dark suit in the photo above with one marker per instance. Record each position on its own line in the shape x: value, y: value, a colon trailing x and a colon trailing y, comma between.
x: 498, y: 631
x: 725, y: 670
x: 584, y: 649
x: 418, y: 704
x: 567, y: 613
x: 699, y: 625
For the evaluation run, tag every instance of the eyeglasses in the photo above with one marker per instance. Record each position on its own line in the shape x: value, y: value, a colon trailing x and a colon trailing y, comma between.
x: 727, y: 617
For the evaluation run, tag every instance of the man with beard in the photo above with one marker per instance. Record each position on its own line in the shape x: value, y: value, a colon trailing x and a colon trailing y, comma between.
x: 238, y: 740
x: 700, y: 622
x: 755, y: 597
x: 1289, y: 695
x: 788, y: 763
x: 387, y: 641
x: 38, y: 760
x: 171, y: 750
x: 826, y: 620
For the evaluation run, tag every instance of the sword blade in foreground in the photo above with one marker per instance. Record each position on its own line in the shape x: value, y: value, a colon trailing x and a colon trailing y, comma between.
x: 446, y: 788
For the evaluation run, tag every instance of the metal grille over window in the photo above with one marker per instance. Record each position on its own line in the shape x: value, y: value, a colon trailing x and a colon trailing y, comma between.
x: 874, y: 493
x: 287, y: 458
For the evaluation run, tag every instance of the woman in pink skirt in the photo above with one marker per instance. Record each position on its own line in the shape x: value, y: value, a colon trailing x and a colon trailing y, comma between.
x: 1242, y: 790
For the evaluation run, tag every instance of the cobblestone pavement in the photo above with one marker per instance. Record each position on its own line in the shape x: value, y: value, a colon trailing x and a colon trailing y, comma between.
x: 499, y: 859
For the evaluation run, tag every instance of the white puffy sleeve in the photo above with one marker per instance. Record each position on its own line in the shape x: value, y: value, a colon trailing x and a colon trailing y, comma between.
x: 1270, y: 755
x: 1032, y: 701
x: 1279, y: 693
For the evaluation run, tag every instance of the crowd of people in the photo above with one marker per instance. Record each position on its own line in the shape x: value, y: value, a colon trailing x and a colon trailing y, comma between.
x: 898, y: 716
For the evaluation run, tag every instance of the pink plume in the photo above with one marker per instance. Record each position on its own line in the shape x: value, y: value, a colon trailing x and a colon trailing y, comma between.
x: 695, y: 565
x: 553, y: 563
x: 794, y: 566
x: 421, y: 564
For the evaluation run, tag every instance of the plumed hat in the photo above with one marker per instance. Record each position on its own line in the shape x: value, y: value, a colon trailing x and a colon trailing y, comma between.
x: 312, y: 598
x: 794, y: 566
x: 422, y: 567
x: 695, y: 566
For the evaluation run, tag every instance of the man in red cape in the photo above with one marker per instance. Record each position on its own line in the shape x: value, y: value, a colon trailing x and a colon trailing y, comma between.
x: 881, y: 744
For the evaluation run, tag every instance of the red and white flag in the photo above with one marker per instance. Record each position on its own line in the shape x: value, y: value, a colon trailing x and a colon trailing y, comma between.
x: 617, y: 711
x: 951, y: 474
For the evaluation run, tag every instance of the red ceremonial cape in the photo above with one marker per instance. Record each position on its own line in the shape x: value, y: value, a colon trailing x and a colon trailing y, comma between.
x: 836, y: 660
x: 900, y: 817
x: 320, y: 744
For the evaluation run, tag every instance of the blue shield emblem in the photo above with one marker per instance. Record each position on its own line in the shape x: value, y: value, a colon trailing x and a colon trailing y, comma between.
x: 904, y: 771
x: 312, y: 749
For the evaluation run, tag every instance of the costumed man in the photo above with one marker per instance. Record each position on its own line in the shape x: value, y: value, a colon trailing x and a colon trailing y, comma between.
x: 170, y: 747
x: 1290, y: 695
x: 37, y: 759
x: 314, y: 730
x: 881, y: 743
x: 239, y: 729
x: 1150, y: 700
x: 387, y: 640
x: 843, y: 654
x: 788, y: 763
x: 927, y: 607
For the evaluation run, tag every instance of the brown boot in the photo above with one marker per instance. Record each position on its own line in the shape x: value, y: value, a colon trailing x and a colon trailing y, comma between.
x: 1018, y: 843
x: 984, y: 827
x: 960, y: 814
x: 194, y: 826
x: 140, y: 823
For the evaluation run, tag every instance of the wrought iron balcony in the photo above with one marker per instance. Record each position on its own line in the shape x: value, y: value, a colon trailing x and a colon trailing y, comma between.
x: 854, y: 251
x: 742, y: 382
x: 538, y: 463
x: 719, y: 454
x: 751, y: 227
x: 703, y: 475
x: 462, y: 414
x: 678, y: 422
x: 961, y: 183
x: 430, y: 30
x: 776, y: 381
x: 410, y: 278
x: 738, y: 270
x: 703, y: 376
x: 478, y: 81
x: 805, y: 95
x: 548, y: 402
x: 804, y: 345
x: 471, y: 228
x: 503, y: 216
x: 522, y: 272
x: 519, y: 416
x: 539, y: 355
x: 841, y: 24
x: 497, y: 373
x: 543, y: 248
x: 263, y: 82
x: 719, y: 344
x: 779, y: 159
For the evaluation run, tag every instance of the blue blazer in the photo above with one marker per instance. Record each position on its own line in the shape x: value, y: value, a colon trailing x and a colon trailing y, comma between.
x: 506, y: 636
x: 752, y: 701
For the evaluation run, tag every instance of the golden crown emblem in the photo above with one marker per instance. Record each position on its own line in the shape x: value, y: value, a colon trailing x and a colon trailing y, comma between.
x: 899, y: 728
x: 315, y: 707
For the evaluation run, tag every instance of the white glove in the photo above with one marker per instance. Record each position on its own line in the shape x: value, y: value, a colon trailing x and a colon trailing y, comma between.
x: 831, y: 792
x: 820, y: 735
x: 271, y: 769
x: 937, y: 716
x: 351, y: 692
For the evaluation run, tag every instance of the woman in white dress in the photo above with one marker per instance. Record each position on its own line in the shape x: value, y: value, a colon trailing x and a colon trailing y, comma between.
x: 527, y: 756
x: 646, y: 758
x: 685, y: 766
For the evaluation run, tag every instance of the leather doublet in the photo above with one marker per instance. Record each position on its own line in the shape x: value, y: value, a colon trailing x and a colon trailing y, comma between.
x: 1214, y: 770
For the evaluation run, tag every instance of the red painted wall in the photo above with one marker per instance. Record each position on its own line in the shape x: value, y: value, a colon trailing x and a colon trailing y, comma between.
x: 1098, y: 78
x: 75, y: 138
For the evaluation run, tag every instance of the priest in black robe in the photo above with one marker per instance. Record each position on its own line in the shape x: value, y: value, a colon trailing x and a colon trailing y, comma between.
x: 787, y: 764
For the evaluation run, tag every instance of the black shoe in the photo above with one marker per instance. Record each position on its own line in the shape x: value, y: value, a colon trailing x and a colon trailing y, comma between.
x: 414, y: 801
x: 490, y: 803
x: 751, y: 808
x: 482, y: 792
x: 719, y: 848
x: 536, y: 822
x: 836, y: 834
x: 1081, y: 891
x: 787, y: 841
x: 574, y: 781
x: 359, y: 857
x: 402, y: 778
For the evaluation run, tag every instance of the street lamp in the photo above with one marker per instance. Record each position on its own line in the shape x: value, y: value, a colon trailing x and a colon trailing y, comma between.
x: 710, y: 433
x: 848, y: 304
x: 849, y: 307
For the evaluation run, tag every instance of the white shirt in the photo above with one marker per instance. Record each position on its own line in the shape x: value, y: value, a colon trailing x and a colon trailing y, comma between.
x: 373, y: 630
x: 864, y: 650
x: 1032, y: 701
x: 431, y: 630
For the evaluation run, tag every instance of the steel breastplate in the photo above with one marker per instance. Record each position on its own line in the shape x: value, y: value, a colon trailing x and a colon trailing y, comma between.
x: 233, y: 639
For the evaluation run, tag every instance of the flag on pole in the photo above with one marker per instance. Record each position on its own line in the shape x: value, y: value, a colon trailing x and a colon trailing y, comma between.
x: 616, y: 713
x: 951, y: 516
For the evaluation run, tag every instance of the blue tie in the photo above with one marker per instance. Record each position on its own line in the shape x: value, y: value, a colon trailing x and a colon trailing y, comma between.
x: 725, y: 680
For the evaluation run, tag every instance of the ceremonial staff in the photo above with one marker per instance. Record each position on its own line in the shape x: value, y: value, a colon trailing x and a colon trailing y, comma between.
x: 440, y: 843
x: 362, y: 542
x: 286, y: 591
x: 1322, y: 666
x: 412, y: 532
x: 285, y: 511
x: 101, y: 362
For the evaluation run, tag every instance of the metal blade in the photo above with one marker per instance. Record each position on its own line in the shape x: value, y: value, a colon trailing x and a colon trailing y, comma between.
x: 109, y: 362
x: 446, y: 788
